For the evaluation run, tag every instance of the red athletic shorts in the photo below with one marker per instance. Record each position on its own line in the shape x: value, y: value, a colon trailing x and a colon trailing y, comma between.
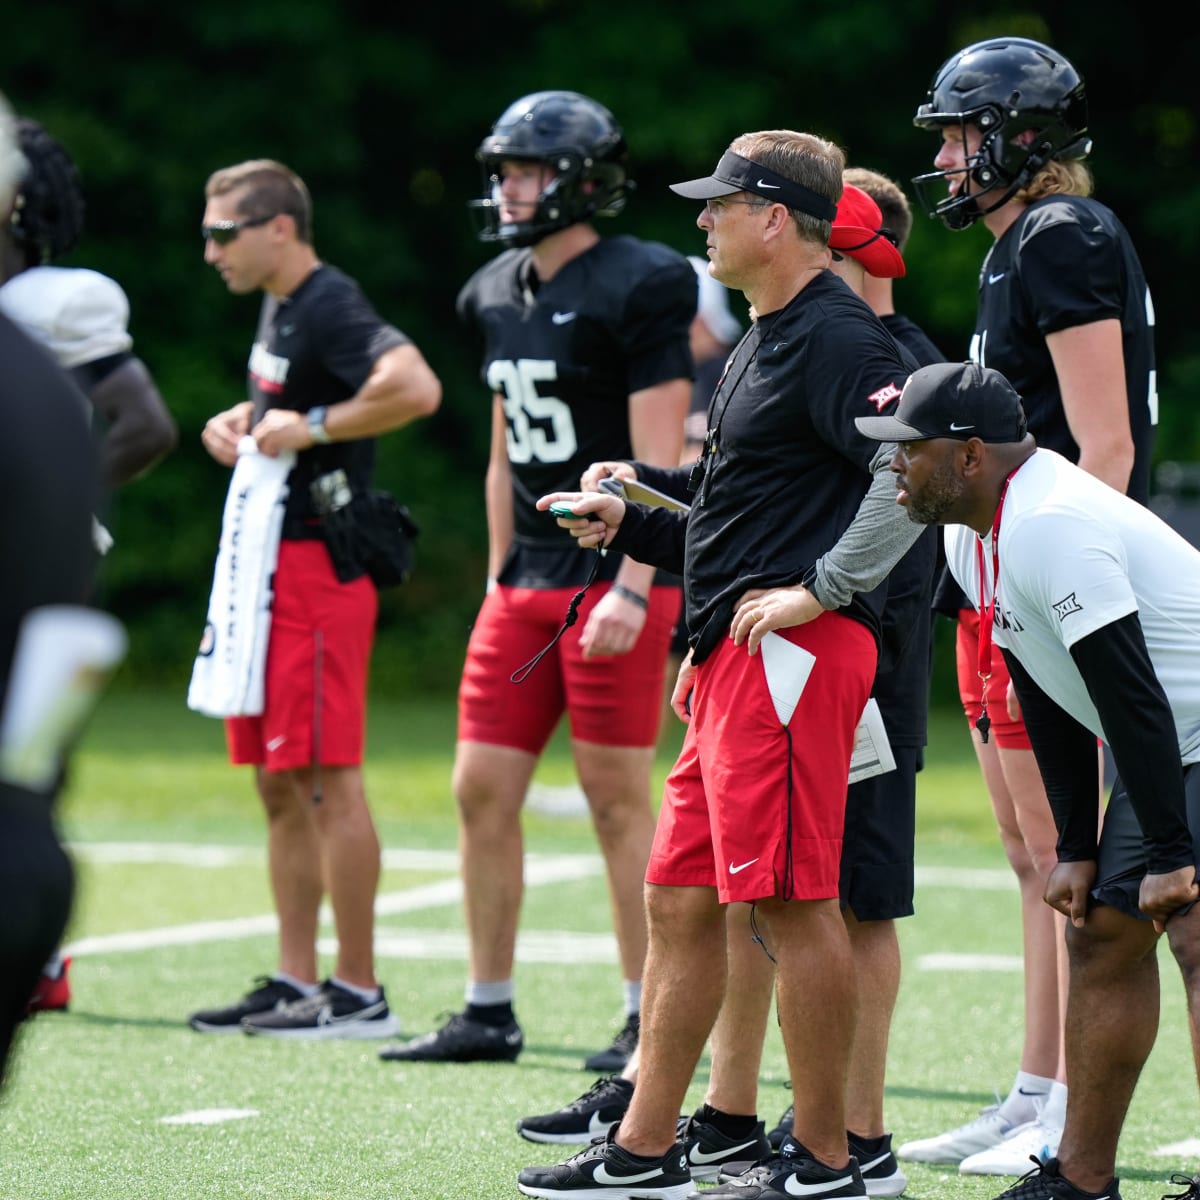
x: 613, y: 701
x: 1004, y: 731
x: 321, y: 635
x: 748, y: 809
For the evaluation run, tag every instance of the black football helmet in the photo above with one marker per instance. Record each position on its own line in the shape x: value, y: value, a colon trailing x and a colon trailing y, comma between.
x: 579, y: 140
x: 1004, y: 87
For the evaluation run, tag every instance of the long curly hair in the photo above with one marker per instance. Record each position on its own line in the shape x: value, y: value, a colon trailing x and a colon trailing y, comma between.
x: 48, y: 216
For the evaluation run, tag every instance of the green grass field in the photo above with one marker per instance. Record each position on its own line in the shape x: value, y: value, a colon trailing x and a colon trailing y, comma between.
x: 169, y: 843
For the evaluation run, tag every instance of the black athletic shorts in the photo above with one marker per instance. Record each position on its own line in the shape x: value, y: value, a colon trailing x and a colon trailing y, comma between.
x: 1122, y: 859
x: 877, y: 849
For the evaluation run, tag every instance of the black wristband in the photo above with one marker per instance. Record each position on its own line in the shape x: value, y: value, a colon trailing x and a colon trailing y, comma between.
x: 619, y: 589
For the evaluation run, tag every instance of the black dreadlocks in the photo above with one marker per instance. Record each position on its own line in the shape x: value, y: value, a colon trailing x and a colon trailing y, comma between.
x: 48, y: 217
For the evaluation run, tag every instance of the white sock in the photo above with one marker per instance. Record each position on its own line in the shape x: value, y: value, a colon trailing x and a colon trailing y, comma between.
x: 305, y: 989
x: 366, y: 995
x: 1029, y: 1093
x: 1055, y: 1110
x: 633, y: 997
x: 499, y: 992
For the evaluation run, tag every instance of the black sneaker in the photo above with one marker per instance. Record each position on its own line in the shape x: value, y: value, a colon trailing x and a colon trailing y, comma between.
x: 268, y: 996
x: 1045, y: 1182
x: 461, y: 1040
x: 880, y: 1170
x: 1192, y: 1183
x: 791, y: 1172
x: 618, y: 1054
x: 876, y: 1163
x: 330, y: 1012
x: 708, y: 1149
x: 585, y: 1119
x: 604, y: 1170
x: 783, y: 1130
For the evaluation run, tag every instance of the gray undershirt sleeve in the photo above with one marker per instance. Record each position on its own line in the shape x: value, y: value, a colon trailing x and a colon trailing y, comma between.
x: 873, y: 543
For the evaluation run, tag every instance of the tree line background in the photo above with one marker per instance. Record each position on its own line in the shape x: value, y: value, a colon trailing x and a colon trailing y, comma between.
x: 380, y: 110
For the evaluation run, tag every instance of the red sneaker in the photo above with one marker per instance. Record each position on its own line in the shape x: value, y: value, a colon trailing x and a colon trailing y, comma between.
x: 51, y: 995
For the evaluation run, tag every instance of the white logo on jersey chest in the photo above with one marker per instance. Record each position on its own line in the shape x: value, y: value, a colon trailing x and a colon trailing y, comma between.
x: 271, y: 368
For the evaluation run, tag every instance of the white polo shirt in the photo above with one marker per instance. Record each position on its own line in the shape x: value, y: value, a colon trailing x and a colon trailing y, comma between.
x: 1076, y: 555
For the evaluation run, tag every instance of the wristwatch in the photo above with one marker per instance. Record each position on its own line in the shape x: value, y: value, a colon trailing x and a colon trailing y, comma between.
x: 316, y: 425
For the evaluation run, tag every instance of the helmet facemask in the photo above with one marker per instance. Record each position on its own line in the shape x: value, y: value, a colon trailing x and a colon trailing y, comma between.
x: 578, y: 190
x: 1004, y: 163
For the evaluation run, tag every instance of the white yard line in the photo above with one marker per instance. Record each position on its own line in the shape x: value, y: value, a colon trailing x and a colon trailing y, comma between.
x: 202, y: 855
x: 533, y: 946
x: 540, y: 869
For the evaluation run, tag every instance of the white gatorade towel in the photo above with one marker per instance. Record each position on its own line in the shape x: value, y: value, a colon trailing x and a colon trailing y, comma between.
x: 228, y: 675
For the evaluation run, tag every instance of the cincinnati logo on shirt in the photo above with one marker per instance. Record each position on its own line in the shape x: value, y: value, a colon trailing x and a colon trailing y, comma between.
x: 268, y: 370
x: 1066, y: 606
x: 882, y: 398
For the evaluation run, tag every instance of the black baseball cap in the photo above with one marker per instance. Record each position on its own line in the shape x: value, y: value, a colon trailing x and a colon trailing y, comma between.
x: 737, y: 174
x: 951, y: 400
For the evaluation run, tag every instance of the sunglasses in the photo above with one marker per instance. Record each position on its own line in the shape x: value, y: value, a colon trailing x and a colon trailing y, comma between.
x: 224, y: 232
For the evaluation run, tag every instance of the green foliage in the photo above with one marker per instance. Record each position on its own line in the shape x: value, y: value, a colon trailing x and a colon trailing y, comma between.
x: 380, y: 111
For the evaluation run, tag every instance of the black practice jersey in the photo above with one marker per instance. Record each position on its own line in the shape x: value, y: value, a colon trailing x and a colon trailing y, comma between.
x: 564, y: 357
x: 902, y: 681
x: 787, y: 469
x: 913, y: 338
x: 1067, y: 261
x: 317, y: 347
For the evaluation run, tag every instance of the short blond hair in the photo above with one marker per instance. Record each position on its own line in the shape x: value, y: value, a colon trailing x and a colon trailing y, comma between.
x: 271, y: 190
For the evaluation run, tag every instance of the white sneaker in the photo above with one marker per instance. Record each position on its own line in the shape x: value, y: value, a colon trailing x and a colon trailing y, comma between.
x: 988, y: 1129
x: 1035, y: 1140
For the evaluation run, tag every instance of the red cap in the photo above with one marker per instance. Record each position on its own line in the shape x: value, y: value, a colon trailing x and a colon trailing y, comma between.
x: 858, y: 234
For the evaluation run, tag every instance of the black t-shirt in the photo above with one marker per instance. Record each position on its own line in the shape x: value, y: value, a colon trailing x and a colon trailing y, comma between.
x: 1067, y: 261
x: 913, y: 338
x: 564, y: 357
x: 49, y: 484
x: 902, y: 681
x: 788, y: 469
x: 317, y: 347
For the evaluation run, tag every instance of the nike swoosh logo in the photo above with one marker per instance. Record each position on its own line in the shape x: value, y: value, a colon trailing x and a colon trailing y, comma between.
x: 700, y: 1157
x: 563, y: 318
x: 276, y: 742
x: 763, y: 183
x: 741, y: 867
x: 602, y: 1176
x: 326, y: 1016
x: 1021, y: 1091
x: 997, y: 278
x: 794, y: 1187
x: 871, y: 1163
x: 597, y: 1126
x: 959, y: 429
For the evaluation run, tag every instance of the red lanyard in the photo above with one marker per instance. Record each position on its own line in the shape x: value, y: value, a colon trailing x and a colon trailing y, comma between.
x: 987, y: 611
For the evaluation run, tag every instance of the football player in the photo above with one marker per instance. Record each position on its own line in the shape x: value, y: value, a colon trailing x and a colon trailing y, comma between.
x: 1064, y: 313
x: 82, y: 318
x: 586, y: 358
